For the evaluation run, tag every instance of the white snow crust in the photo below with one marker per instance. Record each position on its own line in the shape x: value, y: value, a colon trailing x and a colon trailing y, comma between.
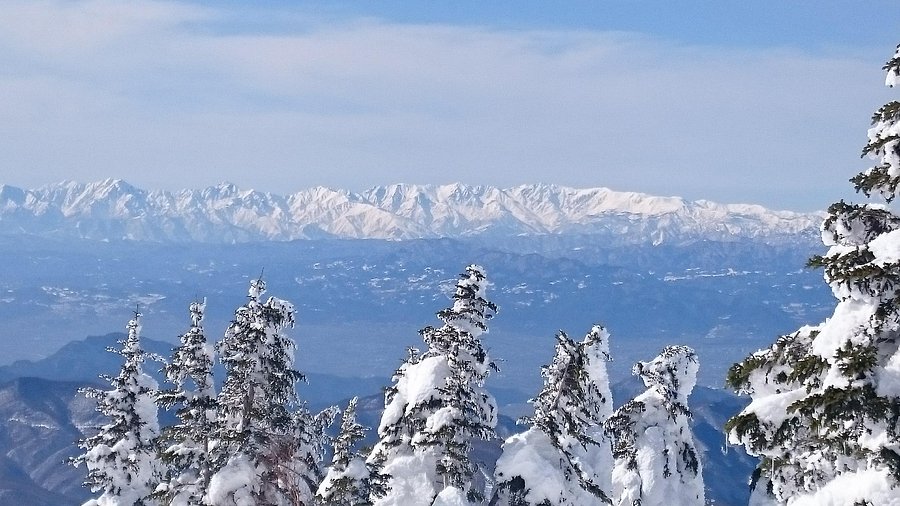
x: 532, y: 456
x: 235, y: 484
x: 852, y: 487
x: 417, y: 385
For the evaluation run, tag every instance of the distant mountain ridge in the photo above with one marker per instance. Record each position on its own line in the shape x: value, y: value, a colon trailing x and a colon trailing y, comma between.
x: 115, y: 210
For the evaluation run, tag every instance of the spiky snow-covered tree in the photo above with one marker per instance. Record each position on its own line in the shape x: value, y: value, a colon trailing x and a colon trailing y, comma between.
x: 347, y: 480
x: 186, y: 444
x: 825, y: 416
x: 564, y: 458
x: 256, y: 406
x: 438, y: 405
x: 121, y: 458
x: 656, y: 461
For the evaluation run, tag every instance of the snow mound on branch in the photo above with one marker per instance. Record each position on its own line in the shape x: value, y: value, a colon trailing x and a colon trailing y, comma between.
x: 674, y: 370
x: 451, y: 496
x: 530, y: 455
x: 356, y: 470
x: 415, y: 387
x: 414, y: 478
x: 853, y: 488
x: 234, y: 484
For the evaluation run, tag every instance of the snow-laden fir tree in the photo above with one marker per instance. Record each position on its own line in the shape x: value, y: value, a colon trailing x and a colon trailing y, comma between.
x: 347, y: 480
x: 656, y: 461
x: 826, y: 399
x: 564, y: 458
x: 121, y: 458
x: 256, y: 406
x: 186, y: 444
x: 438, y: 405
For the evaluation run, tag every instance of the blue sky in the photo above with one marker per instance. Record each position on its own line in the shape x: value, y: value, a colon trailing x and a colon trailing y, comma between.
x: 765, y: 102
x: 806, y: 24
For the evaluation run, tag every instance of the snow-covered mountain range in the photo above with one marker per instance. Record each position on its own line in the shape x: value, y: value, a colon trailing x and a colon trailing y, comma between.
x: 115, y: 210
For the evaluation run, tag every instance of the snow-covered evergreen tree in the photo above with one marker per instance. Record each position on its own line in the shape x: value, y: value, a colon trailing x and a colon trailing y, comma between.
x: 121, y: 458
x: 825, y: 416
x: 186, y: 445
x: 656, y: 460
x: 565, y: 457
x: 347, y: 480
x: 438, y: 405
x: 256, y: 414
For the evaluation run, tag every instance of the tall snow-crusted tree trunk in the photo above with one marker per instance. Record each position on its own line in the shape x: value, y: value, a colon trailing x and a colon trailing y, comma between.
x: 121, y: 458
x: 437, y: 406
x: 656, y: 459
x: 565, y: 457
x: 255, y: 406
x: 825, y: 415
x: 186, y: 445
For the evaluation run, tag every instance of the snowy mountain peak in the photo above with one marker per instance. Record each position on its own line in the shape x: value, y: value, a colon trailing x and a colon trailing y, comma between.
x: 112, y: 209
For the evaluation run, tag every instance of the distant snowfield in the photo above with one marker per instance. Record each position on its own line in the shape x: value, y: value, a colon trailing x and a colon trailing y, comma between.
x: 114, y: 210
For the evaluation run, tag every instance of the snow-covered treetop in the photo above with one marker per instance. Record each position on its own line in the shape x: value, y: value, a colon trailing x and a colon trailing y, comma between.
x: 656, y: 459
x: 438, y: 404
x: 197, y: 309
x: 674, y: 370
x: 194, y: 358
x: 471, y: 310
x: 120, y: 457
x: 347, y: 482
x: 576, y: 390
x: 596, y: 351
x: 257, y: 289
x: 559, y: 379
x: 893, y: 70
x: 185, y: 446
x: 132, y: 343
x: 597, y: 343
x: 884, y: 144
x: 350, y: 434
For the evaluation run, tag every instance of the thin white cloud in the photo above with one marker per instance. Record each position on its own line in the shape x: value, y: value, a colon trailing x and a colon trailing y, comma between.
x: 160, y: 94
x: 60, y: 30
